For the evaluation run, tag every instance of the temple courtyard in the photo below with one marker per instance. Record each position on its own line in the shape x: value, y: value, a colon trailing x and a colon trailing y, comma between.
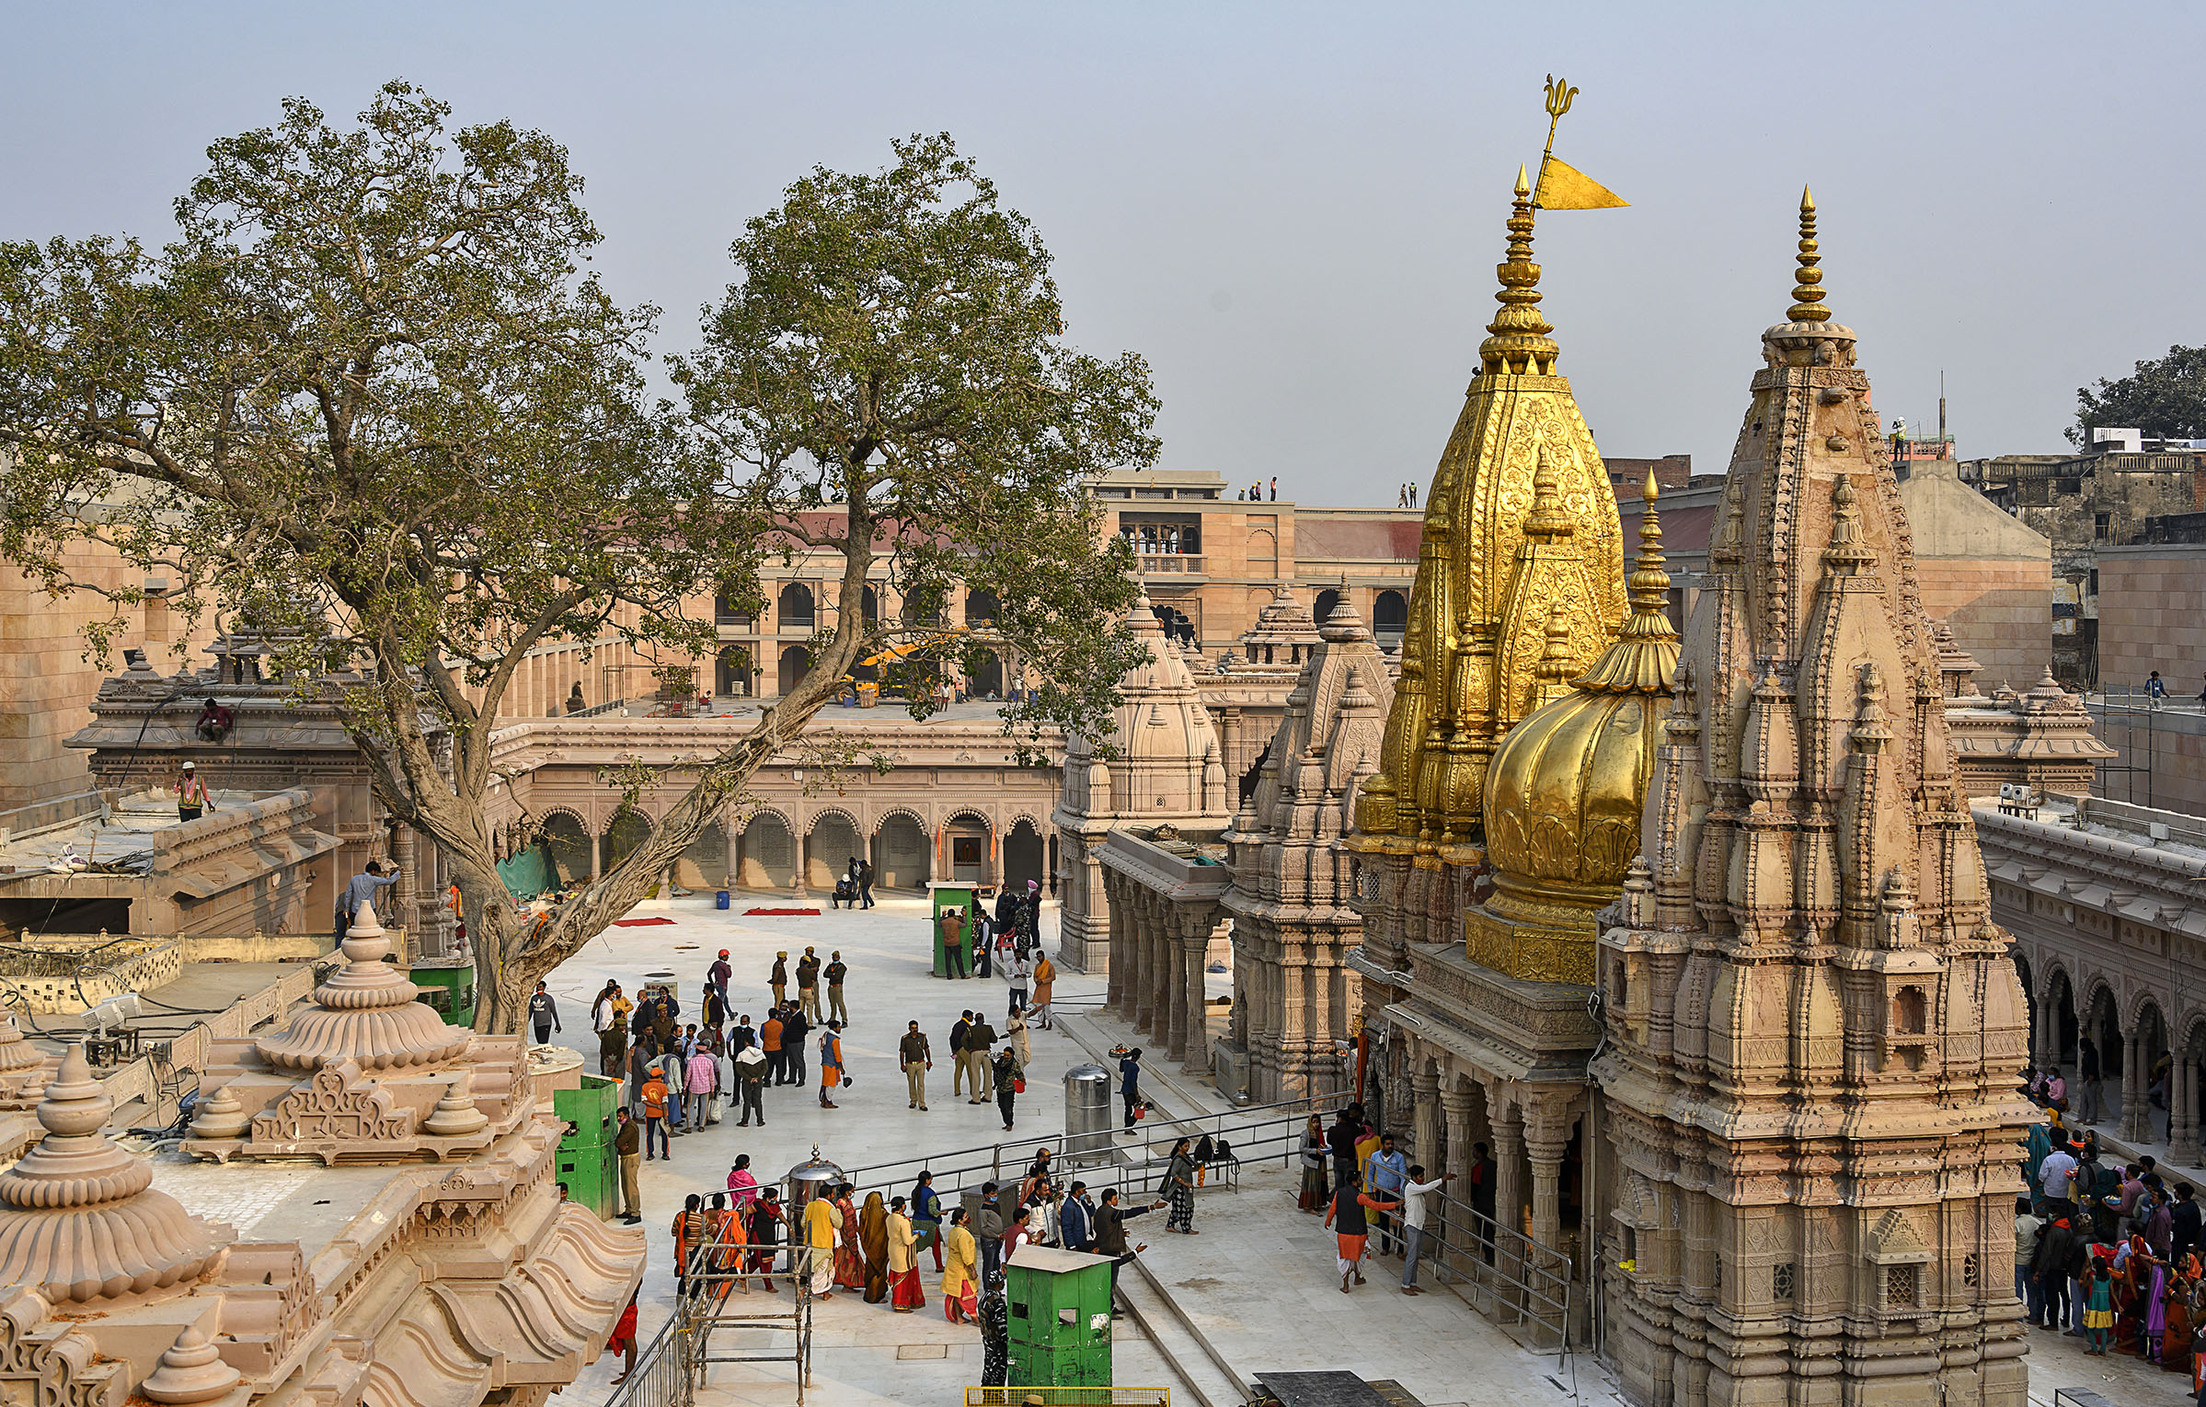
x: 1255, y: 1289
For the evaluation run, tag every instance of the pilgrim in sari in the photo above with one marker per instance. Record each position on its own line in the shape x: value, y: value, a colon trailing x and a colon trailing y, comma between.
x: 873, y: 1239
x: 904, y: 1261
x: 850, y: 1254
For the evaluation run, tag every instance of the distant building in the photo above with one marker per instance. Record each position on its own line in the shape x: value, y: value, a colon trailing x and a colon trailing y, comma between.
x: 2085, y: 504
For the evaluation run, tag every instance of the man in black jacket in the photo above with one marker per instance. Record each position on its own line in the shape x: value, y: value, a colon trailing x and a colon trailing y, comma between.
x: 794, y: 1028
x: 2184, y: 1216
x: 959, y: 1034
x: 1110, y: 1234
x: 2059, y: 1257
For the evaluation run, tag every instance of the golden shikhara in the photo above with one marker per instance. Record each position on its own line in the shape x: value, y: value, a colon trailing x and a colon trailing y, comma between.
x: 1520, y: 580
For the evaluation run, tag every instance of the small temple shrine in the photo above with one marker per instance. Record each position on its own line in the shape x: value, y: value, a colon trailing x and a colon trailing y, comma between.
x: 365, y: 1211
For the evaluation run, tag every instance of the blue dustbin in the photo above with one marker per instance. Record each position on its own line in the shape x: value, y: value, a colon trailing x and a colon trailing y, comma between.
x: 720, y: 900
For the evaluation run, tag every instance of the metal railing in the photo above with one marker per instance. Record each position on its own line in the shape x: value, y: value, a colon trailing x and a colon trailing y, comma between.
x: 661, y: 1377
x: 715, y: 1304
x: 1257, y: 1133
x: 1508, y: 1277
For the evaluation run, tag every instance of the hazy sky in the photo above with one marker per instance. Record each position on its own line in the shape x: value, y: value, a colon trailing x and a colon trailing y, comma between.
x: 1294, y: 210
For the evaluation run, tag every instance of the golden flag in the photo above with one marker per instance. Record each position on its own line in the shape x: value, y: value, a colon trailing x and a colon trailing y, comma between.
x: 1564, y: 187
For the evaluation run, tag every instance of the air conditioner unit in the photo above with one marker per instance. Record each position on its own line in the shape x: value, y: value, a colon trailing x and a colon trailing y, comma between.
x: 2158, y: 830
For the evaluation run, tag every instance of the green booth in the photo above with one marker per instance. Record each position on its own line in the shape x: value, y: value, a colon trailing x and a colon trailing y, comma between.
x: 961, y: 897
x: 448, y: 988
x: 586, y: 1160
x: 1060, y: 1313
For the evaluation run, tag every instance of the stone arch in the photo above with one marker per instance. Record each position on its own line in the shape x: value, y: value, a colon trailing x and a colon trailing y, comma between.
x: 2193, y: 1042
x: 568, y: 842
x: 795, y: 662
x: 794, y: 608
x: 703, y: 863
x: 625, y: 833
x: 832, y: 840
x: 1389, y: 617
x: 2141, y: 1003
x: 1325, y: 602
x: 902, y: 849
x: 1024, y: 855
x: 766, y: 850
x: 966, y: 847
x: 2056, y: 998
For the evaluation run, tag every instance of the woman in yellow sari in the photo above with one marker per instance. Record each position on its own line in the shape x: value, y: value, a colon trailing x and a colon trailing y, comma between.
x: 960, y: 1263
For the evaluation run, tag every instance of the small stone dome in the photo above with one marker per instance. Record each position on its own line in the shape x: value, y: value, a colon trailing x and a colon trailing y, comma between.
x: 366, y: 1013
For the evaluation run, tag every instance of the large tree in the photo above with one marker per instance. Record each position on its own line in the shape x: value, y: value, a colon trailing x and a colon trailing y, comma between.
x: 2165, y: 398
x: 370, y: 394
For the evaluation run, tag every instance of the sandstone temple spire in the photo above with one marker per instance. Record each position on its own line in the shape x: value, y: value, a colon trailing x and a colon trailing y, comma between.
x: 1813, y: 1029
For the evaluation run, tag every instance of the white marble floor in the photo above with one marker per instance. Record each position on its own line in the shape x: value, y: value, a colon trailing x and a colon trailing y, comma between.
x: 1257, y: 1282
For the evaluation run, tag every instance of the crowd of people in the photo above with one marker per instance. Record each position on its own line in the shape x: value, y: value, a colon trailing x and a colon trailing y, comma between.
x: 2106, y: 1249
x: 1374, y: 1188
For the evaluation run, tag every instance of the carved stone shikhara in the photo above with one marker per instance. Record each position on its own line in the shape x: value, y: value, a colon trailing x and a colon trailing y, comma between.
x: 1814, y: 1028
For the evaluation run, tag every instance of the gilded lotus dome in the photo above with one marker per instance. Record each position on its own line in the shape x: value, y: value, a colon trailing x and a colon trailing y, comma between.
x: 1563, y: 798
x: 1564, y: 794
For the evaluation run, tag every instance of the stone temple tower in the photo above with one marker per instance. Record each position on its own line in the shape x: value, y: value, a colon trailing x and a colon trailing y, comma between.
x: 1161, y: 762
x: 1813, y: 1029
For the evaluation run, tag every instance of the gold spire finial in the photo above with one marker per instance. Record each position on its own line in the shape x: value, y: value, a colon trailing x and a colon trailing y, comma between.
x: 1649, y: 583
x: 1808, y: 293
x: 1519, y: 344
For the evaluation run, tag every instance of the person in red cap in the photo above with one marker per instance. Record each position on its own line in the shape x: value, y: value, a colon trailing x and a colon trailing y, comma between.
x: 717, y: 975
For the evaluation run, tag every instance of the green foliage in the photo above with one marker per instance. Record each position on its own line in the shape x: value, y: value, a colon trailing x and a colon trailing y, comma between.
x: 889, y: 378
x: 2166, y: 399
x: 371, y: 399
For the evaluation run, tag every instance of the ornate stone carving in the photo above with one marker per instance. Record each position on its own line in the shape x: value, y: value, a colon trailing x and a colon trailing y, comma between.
x: 338, y: 1105
x: 365, y: 1014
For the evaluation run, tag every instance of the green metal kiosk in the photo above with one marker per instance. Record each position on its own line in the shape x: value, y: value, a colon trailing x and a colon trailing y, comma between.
x: 961, y: 897
x: 586, y: 1160
x: 448, y: 988
x: 1060, y: 1313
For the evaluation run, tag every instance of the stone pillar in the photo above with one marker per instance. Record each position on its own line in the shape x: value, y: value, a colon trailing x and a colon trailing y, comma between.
x: 407, y: 906
x: 1195, y: 953
x: 2045, y: 1049
x: 1172, y: 980
x: 1114, y: 990
x: 2183, y: 1145
x: 1162, y: 970
x: 1424, y: 1135
x: 1455, y: 1107
x: 1508, y: 1130
x: 1291, y: 1023
x: 1546, y: 1140
x: 2136, y: 1110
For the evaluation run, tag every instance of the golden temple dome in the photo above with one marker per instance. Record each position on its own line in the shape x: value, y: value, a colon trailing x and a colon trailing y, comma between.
x: 1564, y: 795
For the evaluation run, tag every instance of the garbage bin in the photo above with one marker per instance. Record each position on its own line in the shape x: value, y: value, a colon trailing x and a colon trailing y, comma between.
x: 720, y: 900
x: 1087, y: 1113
